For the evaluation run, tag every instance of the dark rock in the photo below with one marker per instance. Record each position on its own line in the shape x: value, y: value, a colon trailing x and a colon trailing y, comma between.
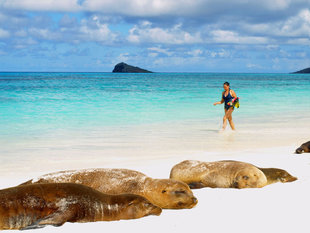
x: 304, y: 71
x: 125, y: 68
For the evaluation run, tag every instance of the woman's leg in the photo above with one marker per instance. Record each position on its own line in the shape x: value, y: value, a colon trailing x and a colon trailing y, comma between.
x: 225, y: 119
x: 229, y: 117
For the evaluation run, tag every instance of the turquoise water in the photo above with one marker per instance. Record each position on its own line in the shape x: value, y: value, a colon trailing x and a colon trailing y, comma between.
x: 34, y: 104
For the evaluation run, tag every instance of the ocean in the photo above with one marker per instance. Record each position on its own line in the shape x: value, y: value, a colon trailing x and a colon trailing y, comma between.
x: 58, y: 117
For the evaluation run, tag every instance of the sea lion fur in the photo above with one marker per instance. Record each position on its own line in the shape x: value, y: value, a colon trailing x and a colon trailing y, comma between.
x: 37, y: 205
x: 165, y: 193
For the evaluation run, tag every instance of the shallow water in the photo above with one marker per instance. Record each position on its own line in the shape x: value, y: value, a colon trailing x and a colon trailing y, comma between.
x: 66, y: 119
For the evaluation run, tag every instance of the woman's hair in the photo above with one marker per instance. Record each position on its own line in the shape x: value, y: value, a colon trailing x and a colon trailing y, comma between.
x: 226, y: 83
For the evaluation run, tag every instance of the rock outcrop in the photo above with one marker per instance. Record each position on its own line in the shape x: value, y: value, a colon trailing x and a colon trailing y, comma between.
x: 304, y: 71
x: 125, y: 68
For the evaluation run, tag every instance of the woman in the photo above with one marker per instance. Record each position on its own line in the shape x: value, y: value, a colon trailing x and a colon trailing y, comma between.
x: 227, y: 96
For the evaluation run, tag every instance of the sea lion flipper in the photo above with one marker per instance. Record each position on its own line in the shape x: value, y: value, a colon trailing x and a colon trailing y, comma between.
x: 32, y: 227
x: 44, y: 222
x: 56, y: 219
x: 196, y: 185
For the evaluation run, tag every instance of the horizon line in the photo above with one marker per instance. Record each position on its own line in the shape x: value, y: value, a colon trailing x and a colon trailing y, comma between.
x: 154, y: 72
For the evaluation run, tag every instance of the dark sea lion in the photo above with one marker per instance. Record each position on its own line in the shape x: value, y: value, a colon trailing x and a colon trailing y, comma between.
x: 304, y: 148
x: 275, y: 175
x: 220, y: 174
x: 165, y: 193
x: 36, y: 205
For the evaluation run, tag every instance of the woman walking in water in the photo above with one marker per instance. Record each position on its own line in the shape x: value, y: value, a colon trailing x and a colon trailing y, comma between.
x: 227, y: 96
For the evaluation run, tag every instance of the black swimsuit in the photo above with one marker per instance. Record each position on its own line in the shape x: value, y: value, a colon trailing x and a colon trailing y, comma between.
x: 227, y: 99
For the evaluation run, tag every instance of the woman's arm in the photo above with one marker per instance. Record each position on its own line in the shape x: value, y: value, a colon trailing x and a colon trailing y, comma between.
x: 233, y: 94
x: 219, y: 102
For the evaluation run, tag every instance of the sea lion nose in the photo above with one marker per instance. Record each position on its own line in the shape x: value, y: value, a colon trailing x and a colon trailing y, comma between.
x: 194, y: 199
x: 156, y: 211
x: 294, y: 178
x: 235, y: 184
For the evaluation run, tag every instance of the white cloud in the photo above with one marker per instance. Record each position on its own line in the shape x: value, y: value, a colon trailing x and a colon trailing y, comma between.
x: 195, y: 52
x: 277, y: 4
x: 272, y: 47
x: 145, y: 33
x: 301, y: 54
x: 160, y: 50
x: 295, y: 26
x: 151, y: 8
x: 41, y: 5
x: 4, y: 33
x: 225, y: 36
x: 43, y: 33
x: 89, y: 29
x: 298, y: 25
x: 251, y: 22
x: 253, y: 66
x: 222, y: 53
x: 94, y: 30
x: 145, y: 7
x: 298, y: 41
x: 24, y: 43
x: 123, y: 57
x: 21, y: 33
x: 124, y: 7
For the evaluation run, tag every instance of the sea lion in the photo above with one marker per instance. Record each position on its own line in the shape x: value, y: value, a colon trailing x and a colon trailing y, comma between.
x: 165, y: 193
x: 37, y: 205
x: 220, y: 174
x: 303, y: 148
x: 275, y: 175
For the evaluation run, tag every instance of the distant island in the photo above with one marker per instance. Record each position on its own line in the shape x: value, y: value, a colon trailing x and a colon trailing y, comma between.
x: 304, y: 71
x: 125, y: 68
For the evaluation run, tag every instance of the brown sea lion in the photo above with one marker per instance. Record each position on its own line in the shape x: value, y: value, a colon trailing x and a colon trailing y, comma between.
x: 165, y: 193
x: 275, y: 175
x: 303, y: 148
x: 220, y: 174
x: 36, y: 205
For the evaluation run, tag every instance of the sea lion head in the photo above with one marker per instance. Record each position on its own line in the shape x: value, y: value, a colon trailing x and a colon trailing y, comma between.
x: 171, y: 194
x: 250, y: 177
x: 299, y: 150
x: 283, y: 176
x: 138, y: 207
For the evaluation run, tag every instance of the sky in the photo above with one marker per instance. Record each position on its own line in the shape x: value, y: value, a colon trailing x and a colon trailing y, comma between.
x: 159, y: 35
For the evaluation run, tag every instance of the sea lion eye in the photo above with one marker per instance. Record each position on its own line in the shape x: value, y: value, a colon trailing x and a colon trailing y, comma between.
x: 163, y: 191
x: 147, y: 204
x: 245, y: 177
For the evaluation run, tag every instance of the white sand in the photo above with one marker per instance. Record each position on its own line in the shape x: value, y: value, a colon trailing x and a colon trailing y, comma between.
x: 275, y: 208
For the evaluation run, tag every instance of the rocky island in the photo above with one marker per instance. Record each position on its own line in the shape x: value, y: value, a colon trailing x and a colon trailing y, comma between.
x: 125, y: 68
x: 304, y: 71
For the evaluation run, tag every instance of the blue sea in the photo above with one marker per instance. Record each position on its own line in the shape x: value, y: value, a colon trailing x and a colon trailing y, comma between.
x: 39, y: 103
x: 59, y: 114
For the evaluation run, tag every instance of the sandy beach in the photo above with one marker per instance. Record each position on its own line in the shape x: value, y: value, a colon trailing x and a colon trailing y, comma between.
x: 278, y: 207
